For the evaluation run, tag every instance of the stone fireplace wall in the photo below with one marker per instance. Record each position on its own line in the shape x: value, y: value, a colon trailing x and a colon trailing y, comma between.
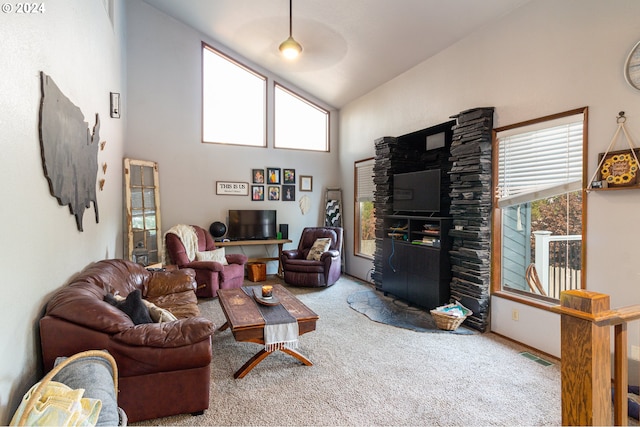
x: 467, y: 165
x: 471, y: 212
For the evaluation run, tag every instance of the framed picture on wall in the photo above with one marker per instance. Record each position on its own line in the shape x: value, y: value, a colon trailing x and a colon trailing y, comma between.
x: 289, y: 176
x: 257, y: 193
x: 273, y: 175
x: 257, y: 176
x: 274, y: 192
x: 288, y: 193
x: 306, y: 183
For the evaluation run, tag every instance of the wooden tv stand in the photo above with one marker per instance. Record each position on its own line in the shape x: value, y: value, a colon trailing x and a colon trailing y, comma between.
x: 279, y: 242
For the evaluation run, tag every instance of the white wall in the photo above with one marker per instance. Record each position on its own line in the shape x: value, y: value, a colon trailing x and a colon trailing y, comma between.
x: 544, y: 58
x: 164, y: 113
x: 73, y: 42
x: 547, y: 57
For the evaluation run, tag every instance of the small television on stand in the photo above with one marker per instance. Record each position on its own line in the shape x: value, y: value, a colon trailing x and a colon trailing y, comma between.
x: 252, y: 224
x: 417, y: 192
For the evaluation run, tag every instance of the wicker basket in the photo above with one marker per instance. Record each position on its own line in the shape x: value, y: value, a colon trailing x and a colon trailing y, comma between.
x: 446, y: 321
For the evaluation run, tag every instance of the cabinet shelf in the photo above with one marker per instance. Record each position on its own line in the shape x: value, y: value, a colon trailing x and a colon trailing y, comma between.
x: 417, y: 267
x: 396, y: 236
x: 428, y: 233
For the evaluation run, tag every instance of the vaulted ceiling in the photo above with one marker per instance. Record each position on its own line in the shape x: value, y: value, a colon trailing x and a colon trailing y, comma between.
x: 350, y: 46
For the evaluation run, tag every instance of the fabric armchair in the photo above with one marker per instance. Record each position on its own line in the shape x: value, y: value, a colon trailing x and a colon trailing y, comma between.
x: 324, y: 271
x: 211, y: 275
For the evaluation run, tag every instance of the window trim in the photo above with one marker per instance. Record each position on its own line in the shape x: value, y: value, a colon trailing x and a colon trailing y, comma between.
x: 356, y: 213
x: 293, y: 93
x: 496, y: 217
x: 245, y: 67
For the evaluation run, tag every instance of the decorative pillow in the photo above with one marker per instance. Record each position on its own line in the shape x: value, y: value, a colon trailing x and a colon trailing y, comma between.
x: 132, y: 306
x: 319, y: 247
x: 216, y: 255
x: 157, y: 314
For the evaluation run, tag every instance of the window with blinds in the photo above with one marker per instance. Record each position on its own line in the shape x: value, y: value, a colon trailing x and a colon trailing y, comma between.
x: 538, y: 220
x: 364, y: 209
x: 540, y: 160
x: 364, y: 180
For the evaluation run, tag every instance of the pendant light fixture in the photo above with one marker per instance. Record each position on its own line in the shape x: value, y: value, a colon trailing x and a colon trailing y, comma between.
x: 290, y: 48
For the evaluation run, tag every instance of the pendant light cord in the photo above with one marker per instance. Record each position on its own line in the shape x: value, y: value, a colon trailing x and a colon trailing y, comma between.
x: 290, y: 19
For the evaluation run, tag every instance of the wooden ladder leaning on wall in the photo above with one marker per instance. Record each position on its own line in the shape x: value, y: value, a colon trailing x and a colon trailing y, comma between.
x: 586, y: 321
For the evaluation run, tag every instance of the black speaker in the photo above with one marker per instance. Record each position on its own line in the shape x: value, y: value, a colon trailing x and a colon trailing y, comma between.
x: 217, y: 229
x: 284, y: 230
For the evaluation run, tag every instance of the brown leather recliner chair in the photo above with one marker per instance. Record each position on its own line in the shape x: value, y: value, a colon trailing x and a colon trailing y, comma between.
x: 299, y: 271
x: 210, y: 275
x: 163, y: 368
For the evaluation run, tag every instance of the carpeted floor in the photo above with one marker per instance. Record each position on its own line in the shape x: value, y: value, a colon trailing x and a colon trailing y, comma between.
x: 368, y: 373
x: 394, y: 312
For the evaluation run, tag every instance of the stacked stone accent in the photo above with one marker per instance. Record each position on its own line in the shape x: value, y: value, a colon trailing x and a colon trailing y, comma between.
x: 383, y: 203
x: 471, y: 198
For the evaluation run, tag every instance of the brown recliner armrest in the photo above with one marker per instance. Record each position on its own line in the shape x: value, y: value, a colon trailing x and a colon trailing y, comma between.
x: 332, y: 253
x: 292, y: 254
x: 236, y: 259
x: 205, y: 265
x: 169, y: 282
x: 166, y: 335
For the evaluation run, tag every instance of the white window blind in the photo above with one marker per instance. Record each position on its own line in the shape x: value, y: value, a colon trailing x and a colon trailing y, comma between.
x: 364, y: 180
x: 540, y: 160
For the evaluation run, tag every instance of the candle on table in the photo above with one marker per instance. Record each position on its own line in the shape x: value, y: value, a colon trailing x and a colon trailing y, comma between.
x: 267, y: 291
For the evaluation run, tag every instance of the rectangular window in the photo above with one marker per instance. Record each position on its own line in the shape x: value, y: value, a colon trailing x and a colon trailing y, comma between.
x: 365, y: 219
x: 233, y: 101
x: 539, y: 204
x: 539, y: 159
x: 299, y: 124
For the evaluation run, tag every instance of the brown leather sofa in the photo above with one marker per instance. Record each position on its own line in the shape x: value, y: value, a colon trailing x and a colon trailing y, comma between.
x: 164, y: 368
x: 299, y: 271
x: 210, y: 275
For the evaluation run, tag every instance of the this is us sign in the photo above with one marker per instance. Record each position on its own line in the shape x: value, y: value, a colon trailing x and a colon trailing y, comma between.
x: 232, y: 188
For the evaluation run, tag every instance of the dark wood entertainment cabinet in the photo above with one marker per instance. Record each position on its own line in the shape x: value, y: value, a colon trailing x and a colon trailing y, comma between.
x: 416, y: 259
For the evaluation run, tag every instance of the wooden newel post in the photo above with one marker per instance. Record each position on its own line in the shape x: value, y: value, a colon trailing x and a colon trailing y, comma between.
x: 586, y: 359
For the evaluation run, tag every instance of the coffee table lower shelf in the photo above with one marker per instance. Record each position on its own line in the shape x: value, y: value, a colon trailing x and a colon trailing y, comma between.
x: 261, y: 355
x: 247, y: 324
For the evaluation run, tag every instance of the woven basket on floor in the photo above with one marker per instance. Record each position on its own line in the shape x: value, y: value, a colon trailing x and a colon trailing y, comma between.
x: 447, y: 322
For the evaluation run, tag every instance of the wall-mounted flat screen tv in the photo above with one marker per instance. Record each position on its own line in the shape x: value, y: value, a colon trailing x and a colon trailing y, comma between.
x: 417, y: 191
x: 252, y: 225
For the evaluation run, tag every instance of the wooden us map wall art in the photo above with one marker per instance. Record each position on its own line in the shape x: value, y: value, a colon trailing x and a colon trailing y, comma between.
x: 69, y: 151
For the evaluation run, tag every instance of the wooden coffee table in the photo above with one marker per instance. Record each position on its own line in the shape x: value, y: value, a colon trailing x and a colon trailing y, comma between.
x: 247, y: 324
